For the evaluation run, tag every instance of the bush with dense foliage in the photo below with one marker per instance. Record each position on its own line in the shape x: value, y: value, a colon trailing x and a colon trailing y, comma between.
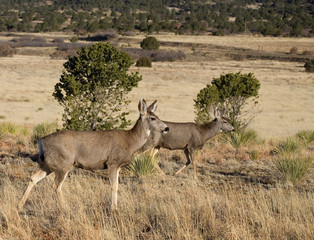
x: 232, y: 92
x: 94, y: 86
x: 309, y: 65
x: 150, y: 43
x: 143, y: 62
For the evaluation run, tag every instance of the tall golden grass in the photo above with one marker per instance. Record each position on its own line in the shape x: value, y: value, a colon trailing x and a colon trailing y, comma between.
x: 228, y: 203
x: 157, y: 209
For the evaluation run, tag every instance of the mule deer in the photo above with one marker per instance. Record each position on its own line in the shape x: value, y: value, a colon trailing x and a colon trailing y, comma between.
x: 188, y: 137
x: 61, y: 151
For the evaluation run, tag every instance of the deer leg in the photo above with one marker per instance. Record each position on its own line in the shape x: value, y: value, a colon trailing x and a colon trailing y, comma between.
x: 59, y: 180
x: 35, y: 178
x: 188, y: 161
x: 153, y: 152
x: 114, y: 182
x: 192, y: 154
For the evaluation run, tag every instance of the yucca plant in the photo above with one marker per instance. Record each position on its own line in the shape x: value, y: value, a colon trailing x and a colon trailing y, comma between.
x: 42, y: 130
x: 7, y: 128
x: 306, y: 136
x: 254, y: 154
x: 288, y: 146
x: 141, y: 165
x: 240, y: 138
x: 293, y: 168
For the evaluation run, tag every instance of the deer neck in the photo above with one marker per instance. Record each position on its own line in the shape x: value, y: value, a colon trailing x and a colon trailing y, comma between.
x: 139, y: 134
x: 210, y: 129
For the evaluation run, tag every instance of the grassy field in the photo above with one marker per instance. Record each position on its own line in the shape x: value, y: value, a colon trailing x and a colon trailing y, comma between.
x: 286, y: 94
x: 239, y: 195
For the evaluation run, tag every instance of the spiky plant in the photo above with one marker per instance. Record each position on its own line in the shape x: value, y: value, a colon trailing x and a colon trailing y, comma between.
x: 42, y: 130
x: 240, y: 138
x: 306, y: 136
x: 288, y: 146
x: 293, y: 168
x: 142, y: 165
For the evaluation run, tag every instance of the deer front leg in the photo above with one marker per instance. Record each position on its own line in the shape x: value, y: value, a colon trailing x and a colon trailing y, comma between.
x: 192, y: 155
x: 114, y: 182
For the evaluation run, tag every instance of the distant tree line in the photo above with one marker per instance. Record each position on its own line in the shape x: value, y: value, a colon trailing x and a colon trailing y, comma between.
x: 267, y: 17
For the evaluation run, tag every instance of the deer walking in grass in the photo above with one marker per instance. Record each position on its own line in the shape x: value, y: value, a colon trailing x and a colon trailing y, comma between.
x: 188, y: 137
x: 112, y: 149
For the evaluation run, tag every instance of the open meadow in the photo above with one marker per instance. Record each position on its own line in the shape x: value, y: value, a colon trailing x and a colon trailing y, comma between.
x: 240, y: 193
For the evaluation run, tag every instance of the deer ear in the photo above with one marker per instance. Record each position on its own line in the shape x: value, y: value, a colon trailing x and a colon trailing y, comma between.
x: 152, y: 107
x: 142, y: 107
x: 217, y: 113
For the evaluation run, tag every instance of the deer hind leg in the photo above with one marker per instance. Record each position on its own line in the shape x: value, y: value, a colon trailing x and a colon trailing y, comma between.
x: 35, y: 178
x: 188, y: 161
x: 59, y: 180
x: 114, y: 182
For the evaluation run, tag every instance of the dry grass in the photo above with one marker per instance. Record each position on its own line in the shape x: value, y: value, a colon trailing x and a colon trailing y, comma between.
x: 170, y: 208
x: 234, y: 199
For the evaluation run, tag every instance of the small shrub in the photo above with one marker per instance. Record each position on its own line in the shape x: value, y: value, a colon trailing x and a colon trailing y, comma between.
x: 306, y: 136
x: 237, y: 93
x: 286, y: 147
x: 7, y: 128
x: 309, y: 66
x: 42, y: 130
x: 142, y: 165
x: 240, y: 138
x: 143, y: 62
x: 58, y: 40
x: 6, y: 50
x: 293, y: 168
x: 307, y: 52
x: 150, y: 43
x: 74, y: 39
x: 254, y: 155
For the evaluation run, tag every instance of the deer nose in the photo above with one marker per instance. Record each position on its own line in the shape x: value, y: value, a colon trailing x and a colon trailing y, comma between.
x: 165, y: 130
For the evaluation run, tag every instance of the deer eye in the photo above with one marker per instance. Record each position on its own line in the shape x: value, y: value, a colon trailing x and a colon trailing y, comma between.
x: 153, y: 119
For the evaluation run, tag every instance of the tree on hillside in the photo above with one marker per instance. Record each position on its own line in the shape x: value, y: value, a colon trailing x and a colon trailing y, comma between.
x: 237, y: 93
x: 93, y: 88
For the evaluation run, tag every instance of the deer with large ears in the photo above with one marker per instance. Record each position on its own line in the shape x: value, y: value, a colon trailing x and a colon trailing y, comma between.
x: 188, y: 137
x: 59, y: 152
